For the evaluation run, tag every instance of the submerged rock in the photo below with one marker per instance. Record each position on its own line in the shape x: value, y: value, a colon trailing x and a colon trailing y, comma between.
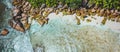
x: 78, y: 20
x: 104, y: 21
x: 4, y: 32
x: 88, y: 20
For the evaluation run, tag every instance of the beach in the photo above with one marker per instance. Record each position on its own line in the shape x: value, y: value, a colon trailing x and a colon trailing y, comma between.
x: 64, y: 35
x: 51, y: 30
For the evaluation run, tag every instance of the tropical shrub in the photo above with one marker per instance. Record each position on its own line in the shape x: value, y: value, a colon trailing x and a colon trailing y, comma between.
x: 109, y: 4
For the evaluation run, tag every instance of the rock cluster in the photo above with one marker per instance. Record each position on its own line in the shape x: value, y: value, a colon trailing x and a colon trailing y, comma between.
x: 23, y: 10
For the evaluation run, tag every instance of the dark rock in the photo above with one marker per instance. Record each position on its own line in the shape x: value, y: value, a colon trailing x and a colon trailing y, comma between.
x: 18, y: 26
x: 102, y: 12
x: 27, y: 8
x: 41, y: 22
x: 17, y: 11
x: 4, y: 32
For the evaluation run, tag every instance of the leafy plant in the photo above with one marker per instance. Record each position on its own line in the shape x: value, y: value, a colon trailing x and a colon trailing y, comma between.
x: 109, y: 4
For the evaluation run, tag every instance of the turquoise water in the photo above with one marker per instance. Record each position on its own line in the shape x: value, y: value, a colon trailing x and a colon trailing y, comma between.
x: 61, y: 34
x: 15, y: 41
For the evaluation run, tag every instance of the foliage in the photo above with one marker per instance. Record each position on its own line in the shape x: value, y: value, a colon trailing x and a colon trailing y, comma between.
x: 110, y: 4
x: 50, y: 3
x: 75, y: 3
x: 36, y: 3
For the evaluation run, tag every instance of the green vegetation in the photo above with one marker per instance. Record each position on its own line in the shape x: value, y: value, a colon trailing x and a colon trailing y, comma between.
x: 109, y: 4
x: 51, y: 3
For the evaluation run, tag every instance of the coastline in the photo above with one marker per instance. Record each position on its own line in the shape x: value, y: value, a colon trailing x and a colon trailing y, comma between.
x: 95, y: 21
x: 23, y: 10
x: 62, y: 34
x: 57, y: 31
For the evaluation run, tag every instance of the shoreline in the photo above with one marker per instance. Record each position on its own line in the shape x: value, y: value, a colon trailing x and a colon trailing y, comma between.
x: 62, y: 31
x: 23, y: 11
x: 114, y: 26
x: 52, y: 30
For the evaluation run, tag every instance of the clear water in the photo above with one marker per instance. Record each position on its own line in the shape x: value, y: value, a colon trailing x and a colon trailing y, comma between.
x: 61, y: 34
x: 15, y: 41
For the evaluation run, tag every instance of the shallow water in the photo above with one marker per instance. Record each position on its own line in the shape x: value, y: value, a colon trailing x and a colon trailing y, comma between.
x: 15, y: 41
x: 61, y: 34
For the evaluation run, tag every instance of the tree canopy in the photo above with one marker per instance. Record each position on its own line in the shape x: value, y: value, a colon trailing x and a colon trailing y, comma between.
x: 109, y: 4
